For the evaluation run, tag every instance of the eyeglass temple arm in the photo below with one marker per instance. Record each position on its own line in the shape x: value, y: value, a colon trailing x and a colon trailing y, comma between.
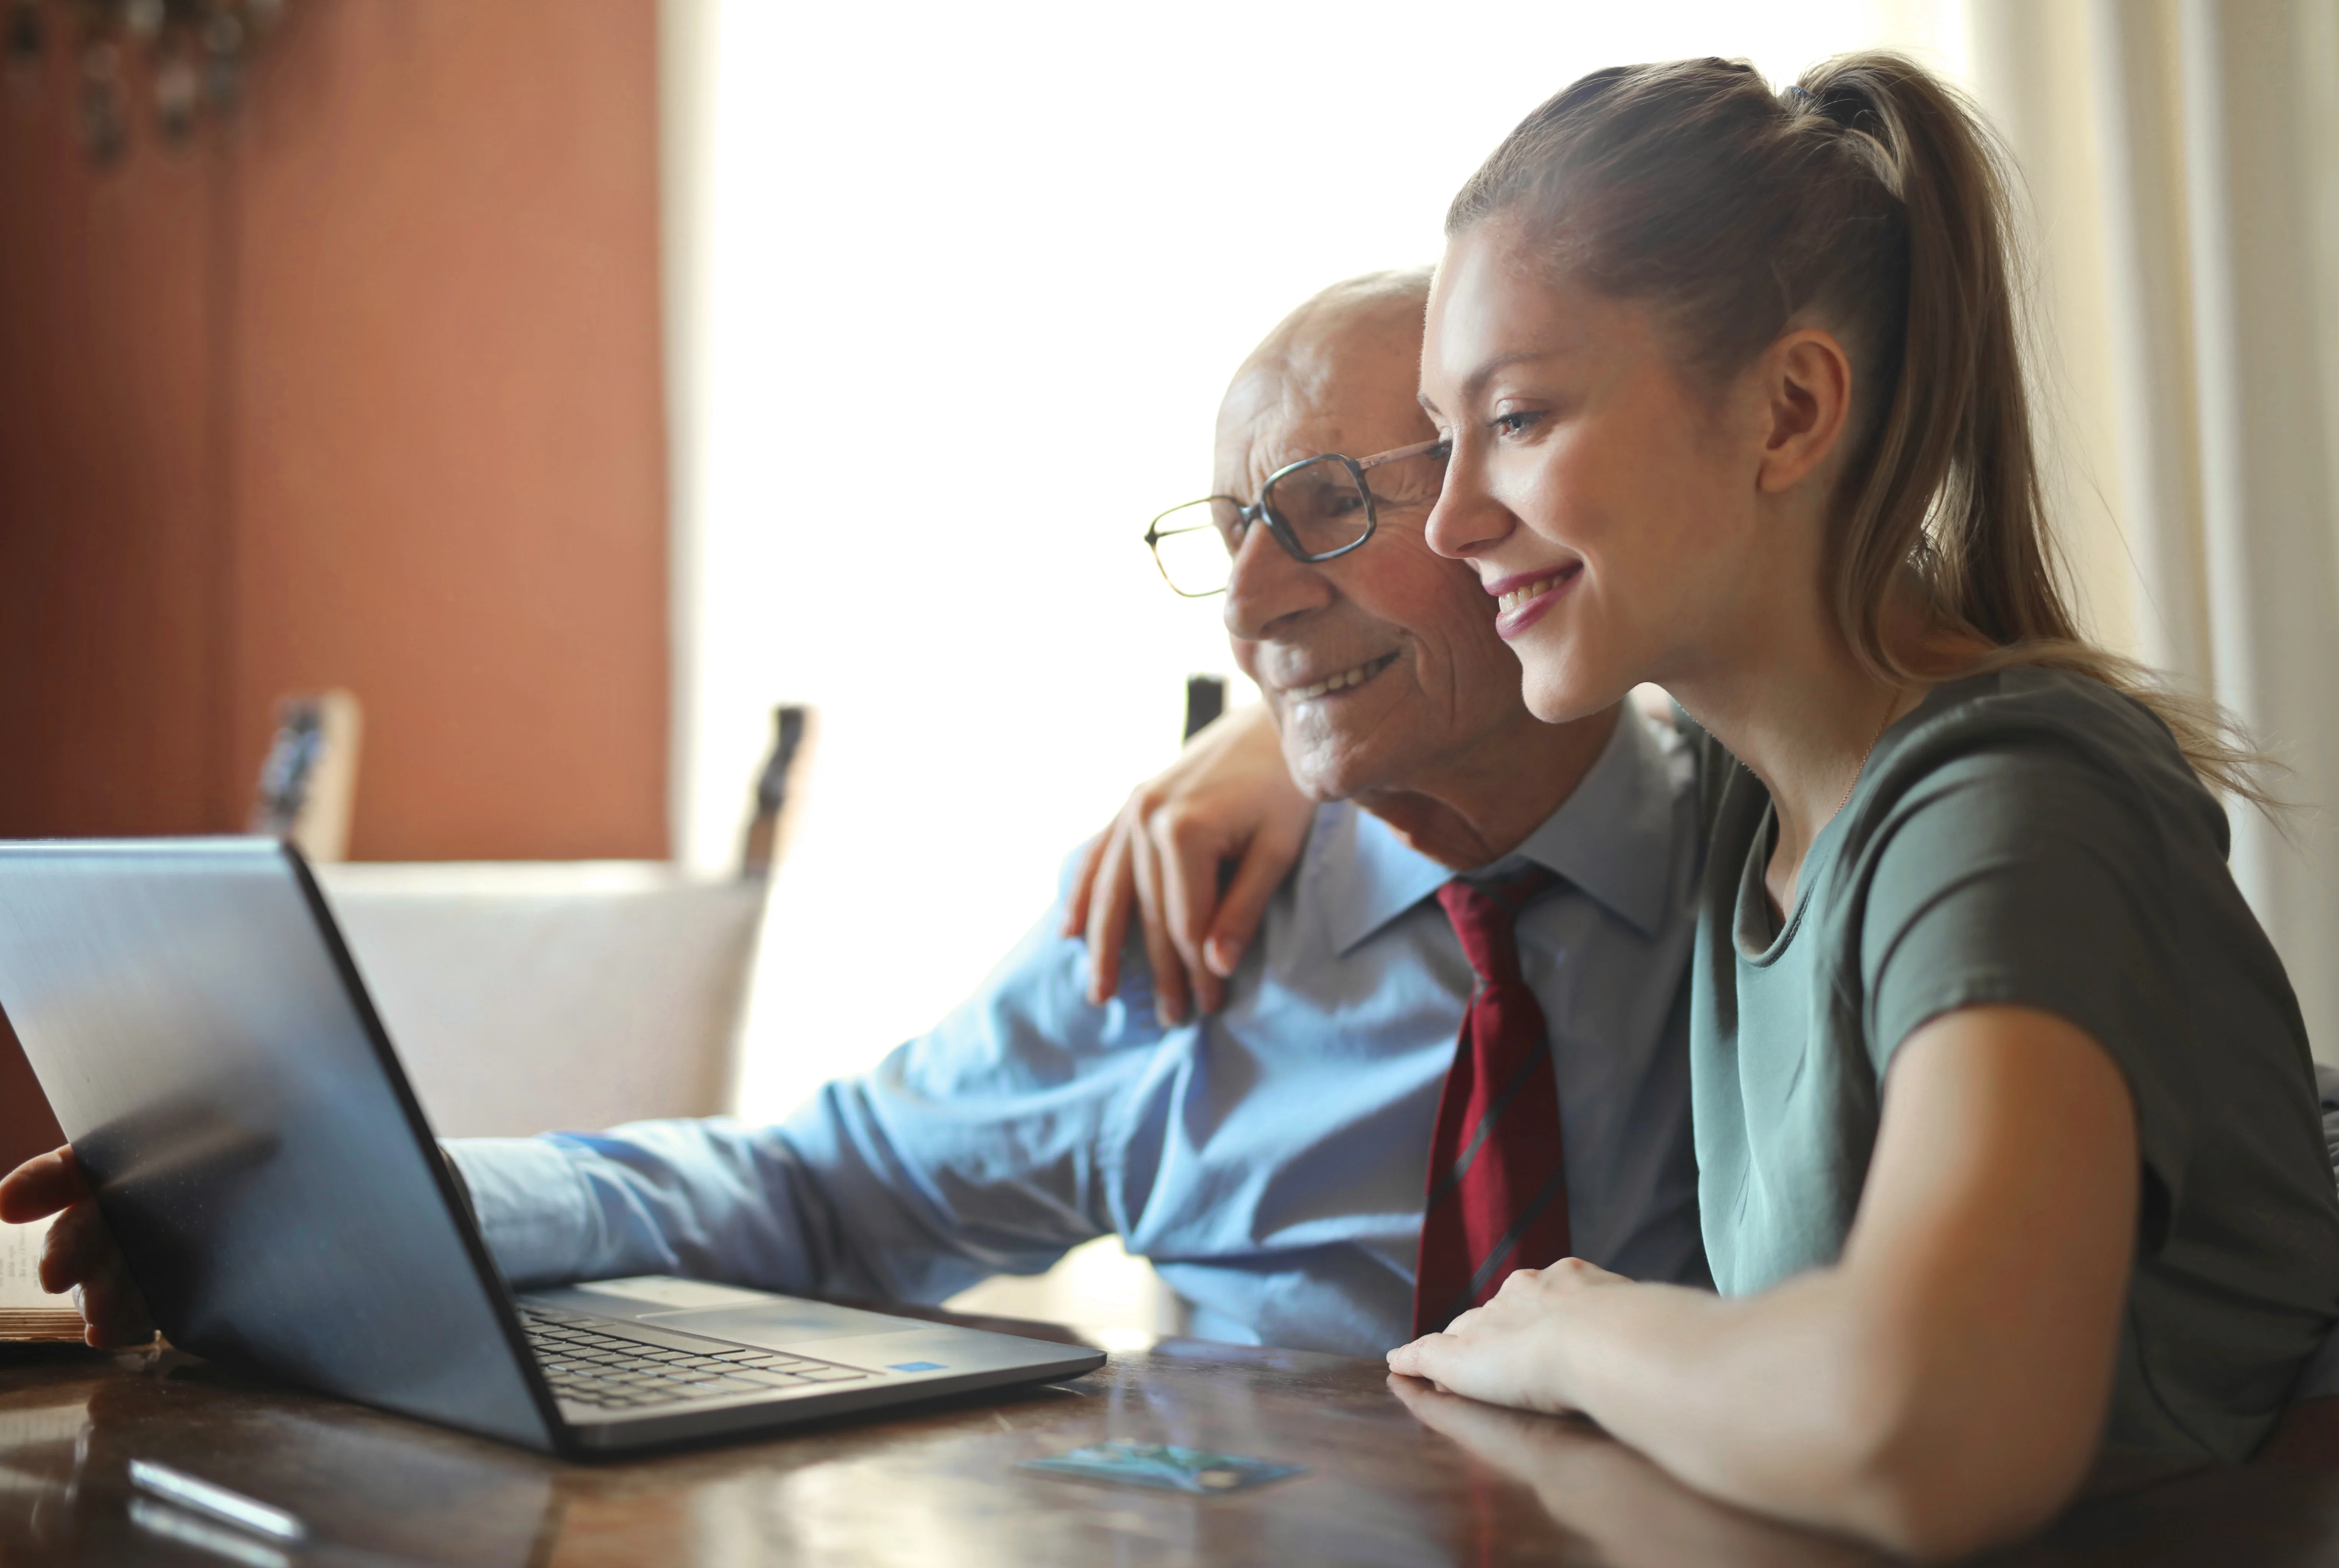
x: 1418, y: 449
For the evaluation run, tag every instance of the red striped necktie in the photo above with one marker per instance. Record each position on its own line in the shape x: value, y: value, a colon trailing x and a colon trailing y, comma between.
x: 1497, y: 1184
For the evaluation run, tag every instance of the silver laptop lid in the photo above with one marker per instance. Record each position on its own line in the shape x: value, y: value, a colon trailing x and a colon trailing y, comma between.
x: 202, y: 1036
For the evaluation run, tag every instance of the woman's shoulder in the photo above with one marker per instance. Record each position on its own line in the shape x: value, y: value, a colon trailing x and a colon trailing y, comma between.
x: 2019, y: 773
x: 2021, y: 700
x: 2028, y: 729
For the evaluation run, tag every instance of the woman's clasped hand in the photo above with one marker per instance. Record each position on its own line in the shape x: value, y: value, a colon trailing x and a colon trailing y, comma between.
x: 1512, y: 1350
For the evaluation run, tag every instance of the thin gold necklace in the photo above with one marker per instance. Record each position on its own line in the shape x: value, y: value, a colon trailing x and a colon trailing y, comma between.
x: 1889, y: 706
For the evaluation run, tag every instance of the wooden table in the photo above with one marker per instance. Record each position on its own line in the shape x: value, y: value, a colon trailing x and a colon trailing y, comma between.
x: 1394, y: 1477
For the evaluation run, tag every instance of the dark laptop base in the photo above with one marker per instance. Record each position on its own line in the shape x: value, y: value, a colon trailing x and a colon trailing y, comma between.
x: 898, y: 1359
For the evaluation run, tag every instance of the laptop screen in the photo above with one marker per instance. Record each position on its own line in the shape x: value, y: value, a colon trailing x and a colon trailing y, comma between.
x: 200, y: 1031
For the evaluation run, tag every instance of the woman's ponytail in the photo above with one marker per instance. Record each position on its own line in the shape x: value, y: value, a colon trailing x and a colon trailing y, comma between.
x: 1871, y: 198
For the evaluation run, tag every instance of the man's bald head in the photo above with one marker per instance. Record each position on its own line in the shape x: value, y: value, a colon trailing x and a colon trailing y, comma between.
x: 1354, y: 346
x: 1389, y: 304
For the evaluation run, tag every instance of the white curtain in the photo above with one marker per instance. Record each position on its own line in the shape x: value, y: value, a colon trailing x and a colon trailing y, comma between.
x: 2181, y: 159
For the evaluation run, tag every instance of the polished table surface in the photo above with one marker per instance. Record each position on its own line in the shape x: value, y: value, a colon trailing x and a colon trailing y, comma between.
x: 1394, y: 1476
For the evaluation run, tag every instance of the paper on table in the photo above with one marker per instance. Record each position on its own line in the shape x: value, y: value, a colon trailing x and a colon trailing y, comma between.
x: 20, y: 1260
x: 26, y: 1311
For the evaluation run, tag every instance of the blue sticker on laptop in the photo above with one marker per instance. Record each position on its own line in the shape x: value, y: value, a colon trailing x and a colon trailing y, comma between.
x: 1163, y: 1468
x: 916, y: 1366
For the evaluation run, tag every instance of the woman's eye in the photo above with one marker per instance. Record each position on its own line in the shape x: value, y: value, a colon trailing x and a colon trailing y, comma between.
x: 1515, y: 424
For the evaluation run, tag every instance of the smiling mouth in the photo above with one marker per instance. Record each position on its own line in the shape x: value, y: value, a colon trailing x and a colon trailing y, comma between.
x: 1527, y: 593
x: 1343, y: 681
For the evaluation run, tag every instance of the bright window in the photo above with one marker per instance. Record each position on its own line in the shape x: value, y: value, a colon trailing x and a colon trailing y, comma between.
x: 972, y: 281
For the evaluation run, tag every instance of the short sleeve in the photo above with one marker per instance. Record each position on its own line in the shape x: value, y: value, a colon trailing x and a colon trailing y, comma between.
x: 2029, y: 877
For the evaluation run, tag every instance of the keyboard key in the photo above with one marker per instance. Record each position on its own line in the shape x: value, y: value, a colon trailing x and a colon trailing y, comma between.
x: 588, y: 1365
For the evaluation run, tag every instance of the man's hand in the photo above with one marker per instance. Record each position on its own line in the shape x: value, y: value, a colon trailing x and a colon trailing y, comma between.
x: 1227, y: 798
x: 80, y: 1255
x: 1505, y: 1352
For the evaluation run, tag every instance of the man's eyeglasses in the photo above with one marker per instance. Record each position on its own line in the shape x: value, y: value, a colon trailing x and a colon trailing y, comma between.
x: 1318, y: 508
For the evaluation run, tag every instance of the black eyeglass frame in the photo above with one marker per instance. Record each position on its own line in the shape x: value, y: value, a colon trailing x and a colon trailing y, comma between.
x: 1263, y: 511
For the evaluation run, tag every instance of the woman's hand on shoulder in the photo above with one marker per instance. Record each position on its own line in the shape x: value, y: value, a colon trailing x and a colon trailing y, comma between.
x: 1227, y: 800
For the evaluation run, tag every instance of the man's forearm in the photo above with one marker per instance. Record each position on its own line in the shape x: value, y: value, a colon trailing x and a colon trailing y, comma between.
x: 968, y: 1152
x: 707, y: 1198
x: 823, y: 1205
x: 526, y: 1198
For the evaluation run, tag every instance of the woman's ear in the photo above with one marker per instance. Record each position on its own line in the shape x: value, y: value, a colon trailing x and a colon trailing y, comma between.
x: 1806, y: 380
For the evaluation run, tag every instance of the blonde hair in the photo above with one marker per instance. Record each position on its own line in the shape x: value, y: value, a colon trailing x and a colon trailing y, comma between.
x: 1869, y: 198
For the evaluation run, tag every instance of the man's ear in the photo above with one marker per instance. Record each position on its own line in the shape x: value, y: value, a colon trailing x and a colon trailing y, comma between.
x: 1806, y: 381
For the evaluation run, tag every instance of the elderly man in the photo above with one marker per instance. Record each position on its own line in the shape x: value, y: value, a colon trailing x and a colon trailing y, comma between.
x: 1276, y: 1157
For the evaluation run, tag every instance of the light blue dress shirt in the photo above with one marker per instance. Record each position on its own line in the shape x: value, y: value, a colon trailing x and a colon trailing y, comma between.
x: 1269, y: 1160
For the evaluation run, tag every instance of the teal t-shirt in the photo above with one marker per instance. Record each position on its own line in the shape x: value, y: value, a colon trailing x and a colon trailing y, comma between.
x: 2027, y: 837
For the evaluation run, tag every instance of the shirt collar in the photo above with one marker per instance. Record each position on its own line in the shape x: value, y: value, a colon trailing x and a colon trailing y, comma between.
x: 1612, y: 839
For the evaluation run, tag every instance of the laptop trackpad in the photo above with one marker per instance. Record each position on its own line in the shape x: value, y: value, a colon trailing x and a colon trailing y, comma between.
x: 778, y: 1323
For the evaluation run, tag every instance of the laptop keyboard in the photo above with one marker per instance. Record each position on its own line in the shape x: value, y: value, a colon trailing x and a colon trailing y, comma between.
x: 589, y: 1366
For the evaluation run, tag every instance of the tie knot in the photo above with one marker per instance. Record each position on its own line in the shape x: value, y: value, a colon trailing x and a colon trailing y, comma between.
x: 1486, y: 917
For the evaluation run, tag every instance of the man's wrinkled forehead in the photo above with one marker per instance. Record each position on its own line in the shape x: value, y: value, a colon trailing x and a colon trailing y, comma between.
x: 1273, y: 410
x: 1346, y: 389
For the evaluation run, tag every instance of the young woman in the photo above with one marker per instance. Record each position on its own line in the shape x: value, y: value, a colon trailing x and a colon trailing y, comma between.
x: 2006, y: 1137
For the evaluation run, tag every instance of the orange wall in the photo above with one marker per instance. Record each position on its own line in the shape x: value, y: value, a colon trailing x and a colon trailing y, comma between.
x: 109, y: 531
x: 362, y: 391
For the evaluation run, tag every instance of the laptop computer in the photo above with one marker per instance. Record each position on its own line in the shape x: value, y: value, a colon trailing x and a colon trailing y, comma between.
x: 204, y: 1037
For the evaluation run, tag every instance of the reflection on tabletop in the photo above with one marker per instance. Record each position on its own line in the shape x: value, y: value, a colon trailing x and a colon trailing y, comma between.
x: 938, y: 1483
x: 1630, y: 1512
x: 2134, y: 1508
x: 1395, y: 1472
x: 72, y: 1423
